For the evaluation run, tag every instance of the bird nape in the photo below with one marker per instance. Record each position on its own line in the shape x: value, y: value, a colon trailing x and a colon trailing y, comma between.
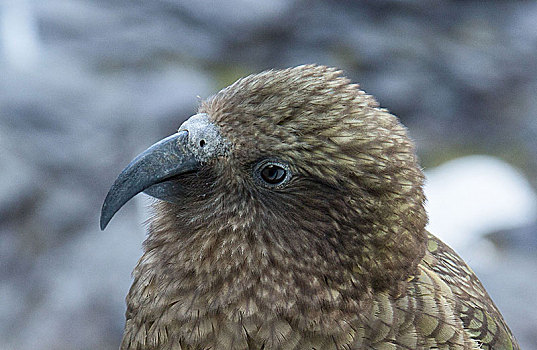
x: 291, y: 216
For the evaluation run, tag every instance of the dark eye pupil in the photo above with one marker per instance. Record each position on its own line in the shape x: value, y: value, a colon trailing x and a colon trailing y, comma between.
x: 273, y: 174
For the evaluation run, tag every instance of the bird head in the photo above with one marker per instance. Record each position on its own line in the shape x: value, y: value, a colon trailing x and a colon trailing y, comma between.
x: 295, y: 168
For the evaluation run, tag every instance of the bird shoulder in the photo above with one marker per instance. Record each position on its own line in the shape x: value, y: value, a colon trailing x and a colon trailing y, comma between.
x: 451, y: 295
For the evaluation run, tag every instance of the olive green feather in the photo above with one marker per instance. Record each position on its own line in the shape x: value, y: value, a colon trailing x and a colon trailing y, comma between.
x: 324, y: 249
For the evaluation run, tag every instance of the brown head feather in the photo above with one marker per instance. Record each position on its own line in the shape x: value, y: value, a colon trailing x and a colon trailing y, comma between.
x: 351, y: 219
x: 349, y: 224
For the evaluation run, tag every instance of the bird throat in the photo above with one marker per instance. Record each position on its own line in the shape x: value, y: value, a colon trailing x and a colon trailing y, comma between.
x: 222, y: 271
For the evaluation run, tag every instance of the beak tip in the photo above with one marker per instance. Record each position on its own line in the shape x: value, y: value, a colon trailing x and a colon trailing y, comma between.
x: 106, y: 214
x: 103, y: 222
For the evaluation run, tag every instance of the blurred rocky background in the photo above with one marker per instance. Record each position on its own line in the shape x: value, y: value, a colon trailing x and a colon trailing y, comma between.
x: 87, y: 84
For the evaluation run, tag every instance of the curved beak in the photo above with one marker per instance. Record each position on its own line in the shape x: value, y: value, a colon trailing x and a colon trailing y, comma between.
x: 165, y: 159
x: 153, y: 171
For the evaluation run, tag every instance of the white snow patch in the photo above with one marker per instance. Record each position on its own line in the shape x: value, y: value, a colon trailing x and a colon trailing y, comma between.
x: 471, y: 196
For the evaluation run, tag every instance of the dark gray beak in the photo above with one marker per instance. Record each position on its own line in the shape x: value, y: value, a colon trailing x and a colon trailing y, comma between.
x: 197, y: 141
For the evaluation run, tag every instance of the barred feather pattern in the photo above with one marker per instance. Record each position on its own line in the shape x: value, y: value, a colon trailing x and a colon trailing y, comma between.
x: 443, y: 306
x: 338, y: 259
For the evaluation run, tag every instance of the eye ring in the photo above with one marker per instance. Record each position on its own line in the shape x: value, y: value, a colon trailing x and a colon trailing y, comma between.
x: 272, y: 173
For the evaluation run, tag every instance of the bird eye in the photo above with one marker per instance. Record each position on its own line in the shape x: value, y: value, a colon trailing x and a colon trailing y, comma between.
x: 272, y: 173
